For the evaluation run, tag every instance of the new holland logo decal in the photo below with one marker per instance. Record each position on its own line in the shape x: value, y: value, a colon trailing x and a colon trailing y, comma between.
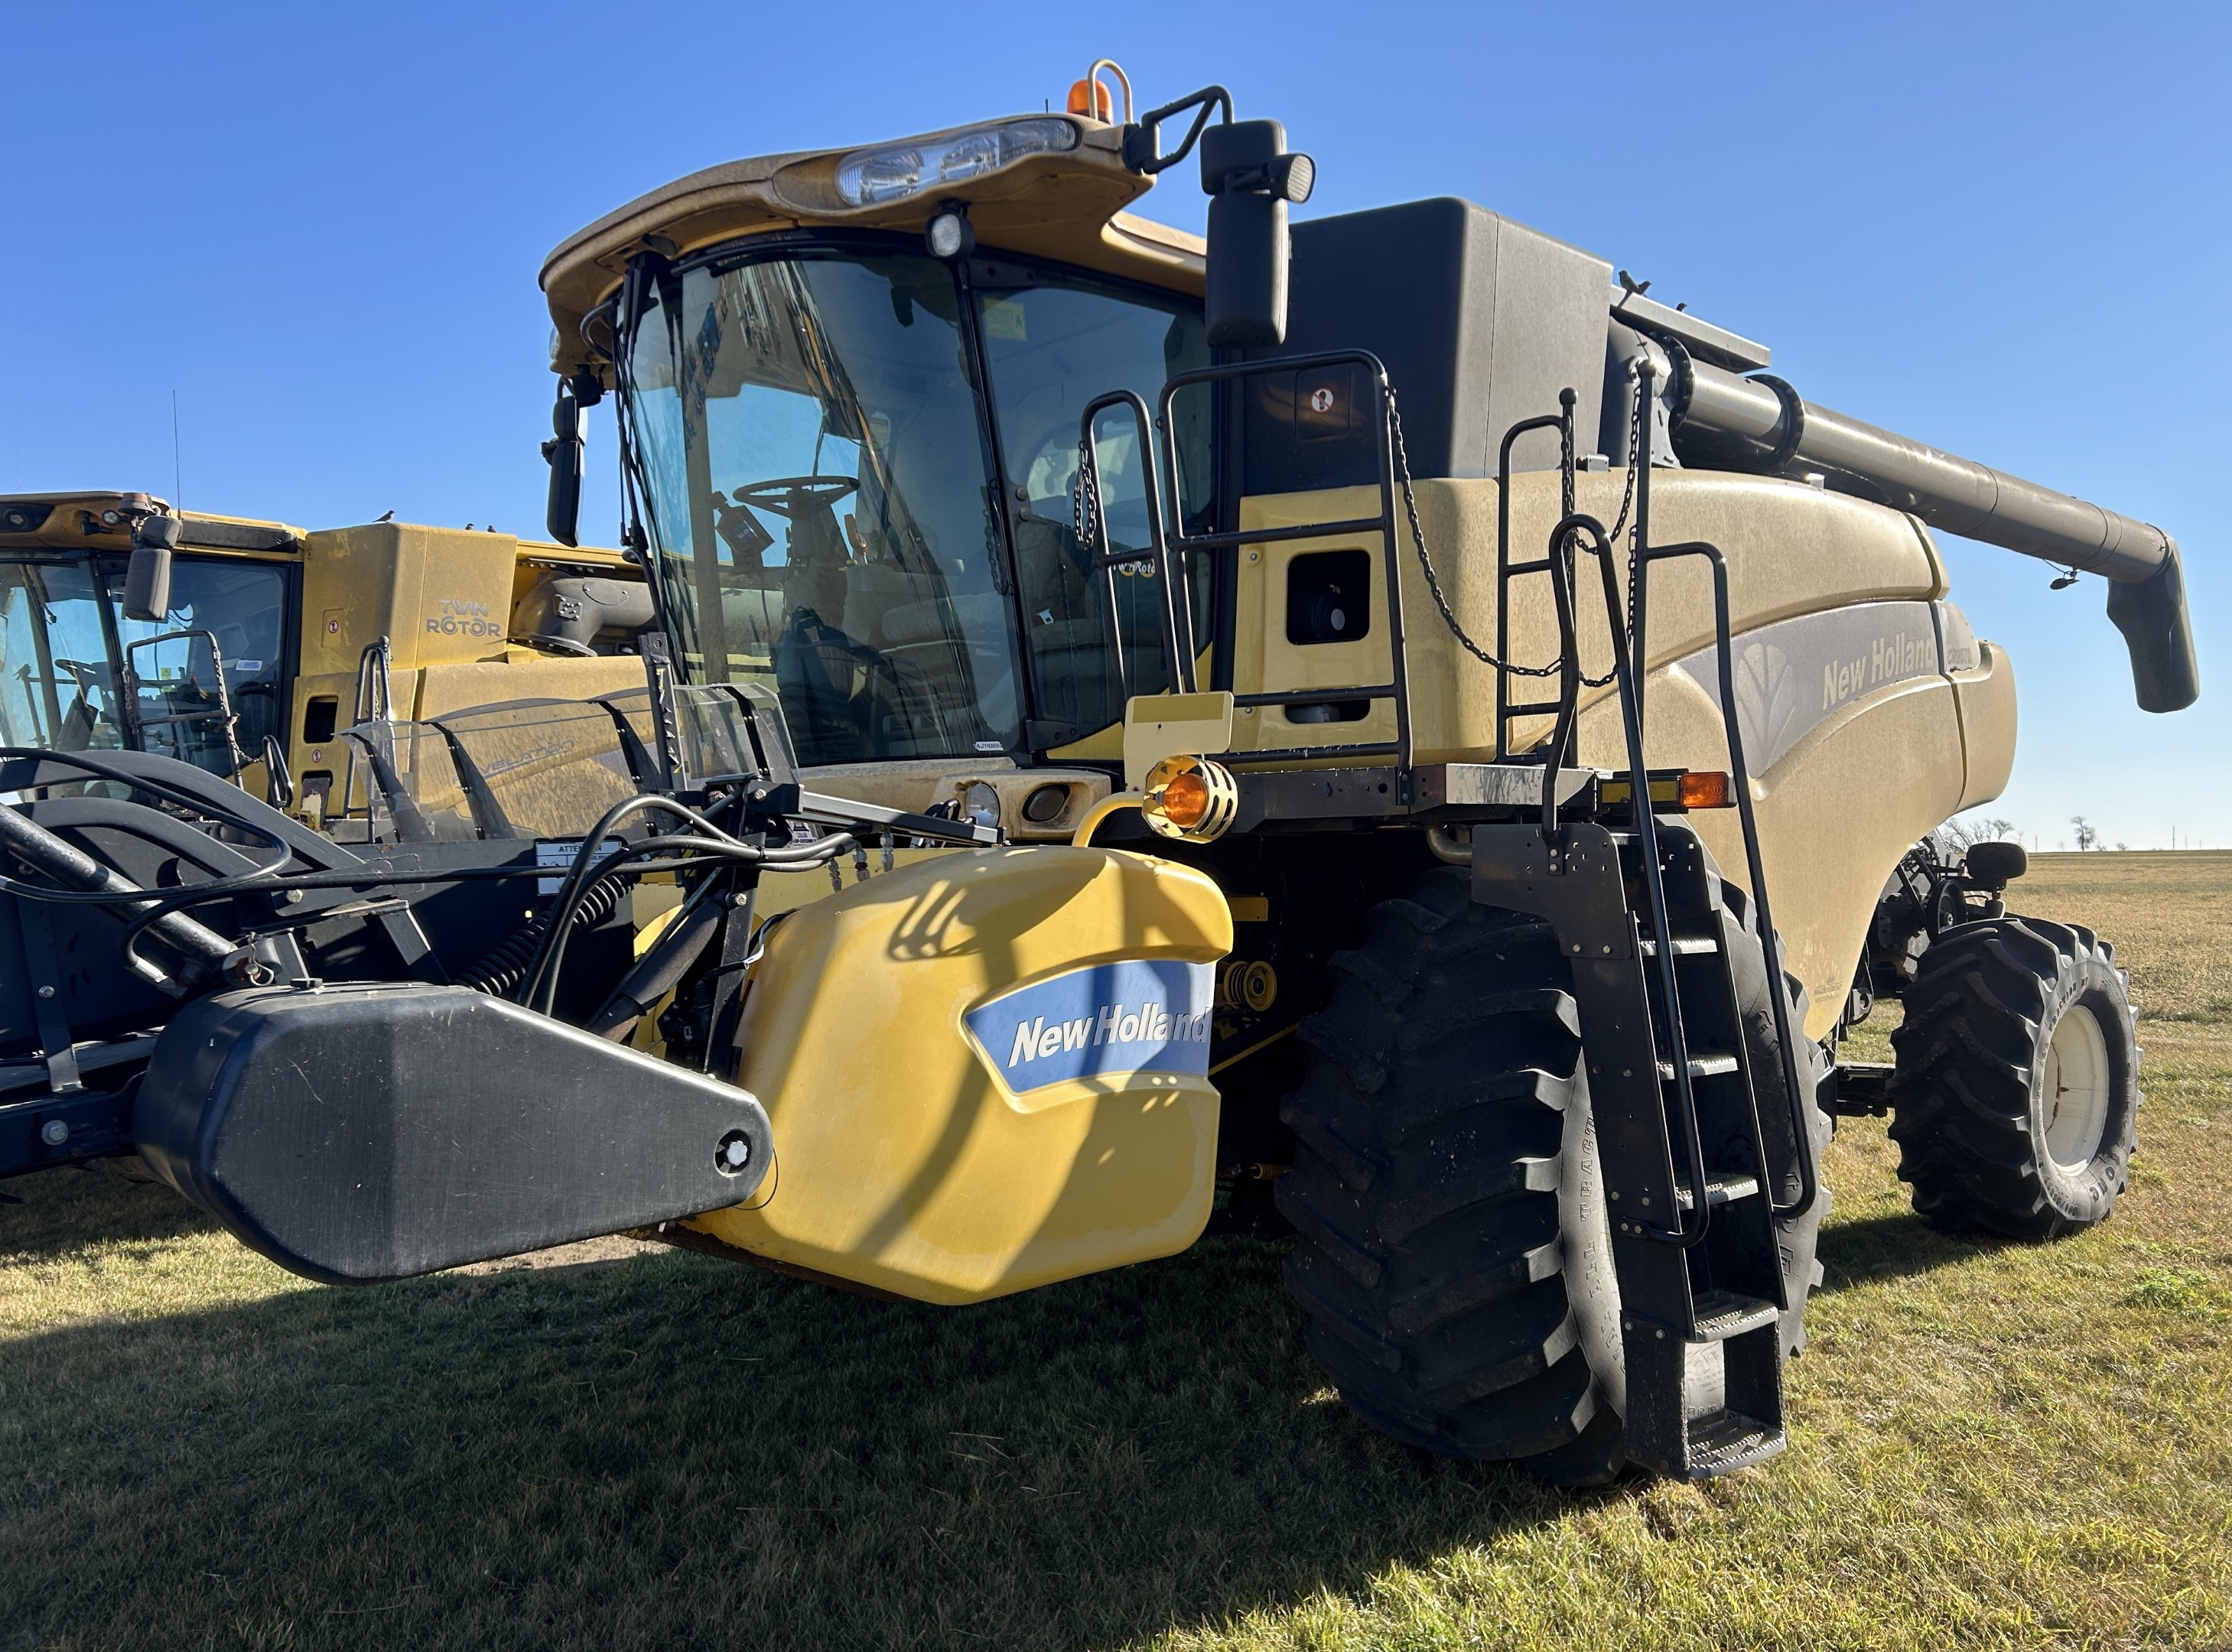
x: 1137, y: 1015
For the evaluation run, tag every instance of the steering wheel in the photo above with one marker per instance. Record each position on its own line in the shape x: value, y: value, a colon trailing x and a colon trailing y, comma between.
x: 784, y: 496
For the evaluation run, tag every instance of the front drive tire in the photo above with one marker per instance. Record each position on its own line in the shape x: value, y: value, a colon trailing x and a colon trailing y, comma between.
x: 1452, y: 1248
x: 2016, y: 1097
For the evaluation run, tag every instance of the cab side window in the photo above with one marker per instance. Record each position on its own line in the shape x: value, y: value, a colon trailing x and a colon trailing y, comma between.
x: 234, y: 617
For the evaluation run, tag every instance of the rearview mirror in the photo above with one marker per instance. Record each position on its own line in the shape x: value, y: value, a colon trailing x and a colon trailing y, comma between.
x: 1251, y: 179
x: 561, y: 516
x: 147, y: 576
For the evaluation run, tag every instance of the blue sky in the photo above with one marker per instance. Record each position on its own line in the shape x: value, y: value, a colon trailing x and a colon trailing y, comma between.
x: 2000, y: 228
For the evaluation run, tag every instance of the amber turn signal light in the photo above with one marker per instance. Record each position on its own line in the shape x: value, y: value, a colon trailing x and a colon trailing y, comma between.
x: 1703, y: 788
x: 1191, y: 798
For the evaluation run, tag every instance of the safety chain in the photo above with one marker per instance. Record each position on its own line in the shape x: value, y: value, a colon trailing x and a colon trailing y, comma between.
x: 1426, y: 562
x: 1085, y: 503
x: 1434, y: 584
x: 1085, y: 517
x: 1619, y: 523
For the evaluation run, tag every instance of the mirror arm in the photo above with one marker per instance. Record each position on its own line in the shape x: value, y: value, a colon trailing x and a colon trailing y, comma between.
x: 1143, y: 139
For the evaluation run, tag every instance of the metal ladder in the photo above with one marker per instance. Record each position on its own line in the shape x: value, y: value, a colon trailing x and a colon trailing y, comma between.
x: 1701, y: 1313
x: 1694, y: 1177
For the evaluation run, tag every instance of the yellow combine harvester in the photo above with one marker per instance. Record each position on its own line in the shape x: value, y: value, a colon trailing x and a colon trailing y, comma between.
x: 251, y: 645
x: 1374, y: 733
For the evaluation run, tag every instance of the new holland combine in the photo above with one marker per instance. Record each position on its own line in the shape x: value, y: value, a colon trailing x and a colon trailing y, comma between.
x: 1373, y: 731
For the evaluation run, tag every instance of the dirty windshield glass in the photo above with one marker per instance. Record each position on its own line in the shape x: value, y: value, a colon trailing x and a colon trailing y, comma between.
x: 810, y: 438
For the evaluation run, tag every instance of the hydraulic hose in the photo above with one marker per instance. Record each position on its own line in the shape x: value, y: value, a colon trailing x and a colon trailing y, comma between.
x: 541, y: 986
x: 201, y: 947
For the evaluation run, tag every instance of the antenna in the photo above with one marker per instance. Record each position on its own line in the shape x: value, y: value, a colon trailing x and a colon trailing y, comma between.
x: 178, y: 486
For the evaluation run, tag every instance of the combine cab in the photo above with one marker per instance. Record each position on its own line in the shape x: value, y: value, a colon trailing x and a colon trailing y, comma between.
x: 1372, y: 732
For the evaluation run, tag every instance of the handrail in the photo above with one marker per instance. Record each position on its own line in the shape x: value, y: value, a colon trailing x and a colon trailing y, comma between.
x: 224, y: 716
x: 1177, y: 619
x: 1399, y: 687
x: 1558, y: 422
x: 1724, y: 648
x: 1579, y: 524
x: 1740, y: 778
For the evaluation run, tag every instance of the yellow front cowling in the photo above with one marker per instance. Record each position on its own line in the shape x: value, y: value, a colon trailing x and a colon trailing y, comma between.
x: 944, y: 1128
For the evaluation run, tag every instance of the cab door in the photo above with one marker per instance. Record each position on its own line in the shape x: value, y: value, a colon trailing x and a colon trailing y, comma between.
x: 223, y: 651
x: 1054, y: 339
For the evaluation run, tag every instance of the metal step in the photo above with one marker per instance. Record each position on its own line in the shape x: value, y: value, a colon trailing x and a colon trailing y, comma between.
x: 1720, y: 1189
x: 1719, y: 1315
x: 1711, y: 1065
x: 1723, y: 1441
x: 1685, y: 946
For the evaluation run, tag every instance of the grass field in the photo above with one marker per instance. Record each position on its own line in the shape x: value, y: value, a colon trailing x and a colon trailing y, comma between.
x: 1993, y: 1446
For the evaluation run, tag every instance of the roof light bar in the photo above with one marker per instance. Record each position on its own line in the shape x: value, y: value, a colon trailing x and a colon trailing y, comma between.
x: 894, y: 171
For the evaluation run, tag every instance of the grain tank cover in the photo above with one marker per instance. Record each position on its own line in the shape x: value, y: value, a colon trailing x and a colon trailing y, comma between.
x: 1481, y: 322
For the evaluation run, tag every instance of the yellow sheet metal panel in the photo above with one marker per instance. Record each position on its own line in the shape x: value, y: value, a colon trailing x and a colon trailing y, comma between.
x: 519, y: 675
x: 1791, y: 550
x: 440, y: 595
x: 1836, y: 809
x: 986, y: 1071
x: 1987, y: 698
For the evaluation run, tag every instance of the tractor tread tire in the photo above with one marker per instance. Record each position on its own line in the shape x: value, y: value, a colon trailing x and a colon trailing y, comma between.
x: 1967, y: 1106
x: 1427, y: 1193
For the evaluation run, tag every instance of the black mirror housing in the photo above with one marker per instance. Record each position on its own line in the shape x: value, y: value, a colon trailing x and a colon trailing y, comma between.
x: 1995, y: 865
x: 147, y: 577
x: 1251, y: 179
x: 562, y: 515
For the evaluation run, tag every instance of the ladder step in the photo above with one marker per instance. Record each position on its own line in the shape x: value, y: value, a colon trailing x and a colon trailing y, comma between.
x: 1719, y: 1315
x: 1685, y: 946
x: 1723, y: 1441
x: 1531, y: 709
x: 1720, y: 1189
x: 1711, y: 1065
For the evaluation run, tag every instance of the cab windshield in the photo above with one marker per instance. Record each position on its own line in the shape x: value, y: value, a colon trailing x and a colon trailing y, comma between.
x: 832, y: 517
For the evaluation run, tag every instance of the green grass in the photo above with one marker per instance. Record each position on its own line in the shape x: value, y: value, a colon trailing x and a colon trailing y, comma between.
x: 1992, y: 1445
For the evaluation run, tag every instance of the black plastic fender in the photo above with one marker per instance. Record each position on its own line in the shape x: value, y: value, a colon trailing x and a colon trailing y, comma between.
x: 354, y: 1133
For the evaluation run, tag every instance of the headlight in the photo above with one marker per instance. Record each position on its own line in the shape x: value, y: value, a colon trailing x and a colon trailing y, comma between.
x: 894, y: 171
x: 981, y: 803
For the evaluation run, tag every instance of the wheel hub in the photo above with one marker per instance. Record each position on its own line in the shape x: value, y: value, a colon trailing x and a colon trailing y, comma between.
x: 2077, y: 1086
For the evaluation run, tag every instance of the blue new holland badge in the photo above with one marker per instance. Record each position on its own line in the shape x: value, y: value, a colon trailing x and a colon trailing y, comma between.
x: 1137, y: 1015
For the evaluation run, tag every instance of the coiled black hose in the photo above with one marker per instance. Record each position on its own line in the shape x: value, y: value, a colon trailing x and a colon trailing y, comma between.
x: 499, y: 974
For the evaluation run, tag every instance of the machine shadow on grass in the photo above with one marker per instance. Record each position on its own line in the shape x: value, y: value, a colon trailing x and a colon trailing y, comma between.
x: 512, y: 1458
x: 67, y: 1211
x: 1896, y: 1245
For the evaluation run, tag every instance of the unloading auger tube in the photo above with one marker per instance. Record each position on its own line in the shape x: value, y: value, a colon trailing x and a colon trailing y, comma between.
x: 1761, y: 424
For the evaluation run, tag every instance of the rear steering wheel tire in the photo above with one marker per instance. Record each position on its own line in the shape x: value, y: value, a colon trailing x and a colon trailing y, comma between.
x: 2015, y: 1098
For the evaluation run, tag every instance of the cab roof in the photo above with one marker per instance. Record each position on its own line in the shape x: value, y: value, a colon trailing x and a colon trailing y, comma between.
x: 103, y: 521
x: 1066, y: 205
